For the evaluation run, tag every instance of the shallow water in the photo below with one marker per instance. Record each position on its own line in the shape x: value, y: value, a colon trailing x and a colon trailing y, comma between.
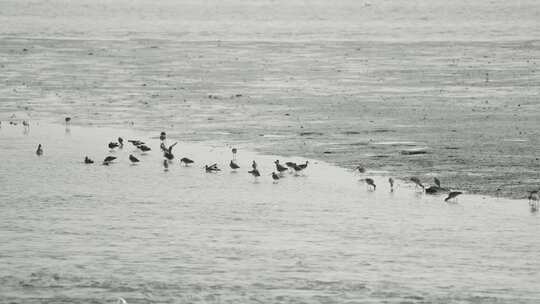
x: 76, y: 233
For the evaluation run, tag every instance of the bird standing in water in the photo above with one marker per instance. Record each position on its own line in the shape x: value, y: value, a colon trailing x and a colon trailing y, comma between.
x: 280, y: 167
x: 108, y: 160
x: 233, y: 165
x: 452, y: 195
x: 39, y: 150
x: 87, y: 160
x: 113, y: 145
x: 275, y: 177
x: 417, y: 182
x: 144, y: 148
x: 133, y: 159
x: 212, y: 168
x: 255, y: 173
x: 370, y: 183
x: 186, y: 161
x: 391, y: 182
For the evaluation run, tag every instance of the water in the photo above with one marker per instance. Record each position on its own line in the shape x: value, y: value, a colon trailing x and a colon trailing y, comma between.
x: 76, y: 233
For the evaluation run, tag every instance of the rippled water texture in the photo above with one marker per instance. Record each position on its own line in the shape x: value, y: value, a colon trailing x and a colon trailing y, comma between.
x: 76, y: 233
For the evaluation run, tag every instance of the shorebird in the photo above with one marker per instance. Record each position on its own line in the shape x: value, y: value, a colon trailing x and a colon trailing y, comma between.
x: 279, y: 167
x: 452, y: 195
x: 391, y: 182
x: 534, y: 198
x: 144, y: 148
x: 39, y: 150
x: 133, y: 159
x: 108, y: 160
x: 211, y: 168
x: 437, y: 182
x: 255, y: 173
x: 162, y: 136
x: 254, y: 165
x: 165, y: 165
x: 186, y: 161
x: 275, y: 177
x: 121, y: 142
x: 303, y: 166
x: 87, y: 160
x: 370, y: 182
x: 360, y: 169
x: 113, y: 145
x: 417, y: 182
x: 233, y: 165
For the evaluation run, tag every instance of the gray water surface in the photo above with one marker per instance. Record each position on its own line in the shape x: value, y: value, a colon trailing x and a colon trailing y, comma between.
x: 76, y: 233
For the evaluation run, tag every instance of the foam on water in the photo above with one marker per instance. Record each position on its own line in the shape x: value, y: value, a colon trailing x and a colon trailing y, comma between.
x: 91, y: 233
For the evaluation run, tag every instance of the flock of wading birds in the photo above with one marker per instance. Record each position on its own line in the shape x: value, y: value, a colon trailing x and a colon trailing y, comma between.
x: 168, y: 157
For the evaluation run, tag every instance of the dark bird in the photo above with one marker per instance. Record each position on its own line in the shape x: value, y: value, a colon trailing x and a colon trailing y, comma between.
x: 391, y: 182
x: 144, y: 148
x: 162, y: 136
x: 108, y: 160
x: 279, y: 167
x: 133, y: 159
x: 452, y: 195
x: 534, y: 199
x: 275, y: 177
x: 113, y: 145
x: 360, y: 169
x: 233, y: 165
x: 211, y: 168
x: 417, y: 182
x: 121, y: 142
x: 370, y: 182
x: 39, y: 150
x: 303, y: 166
x: 87, y: 160
x: 186, y: 161
x: 234, y: 150
x: 255, y: 173
x: 437, y: 182
x: 254, y: 165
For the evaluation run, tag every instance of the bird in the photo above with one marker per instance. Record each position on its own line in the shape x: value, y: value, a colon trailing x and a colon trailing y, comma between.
x: 165, y: 165
x: 280, y: 167
x: 113, y: 145
x: 303, y: 166
x: 186, y: 161
x: 144, y: 148
x: 437, y: 182
x: 254, y: 165
x: 108, y: 160
x: 234, y: 150
x: 39, y: 150
x: 370, y: 182
x: 417, y: 182
x: 87, y: 160
x: 452, y: 195
x: 255, y: 173
x: 233, y: 165
x: 391, y: 182
x: 133, y: 159
x: 121, y: 142
x: 275, y: 177
x: 360, y: 169
x: 534, y: 199
x: 162, y: 136
x: 211, y: 168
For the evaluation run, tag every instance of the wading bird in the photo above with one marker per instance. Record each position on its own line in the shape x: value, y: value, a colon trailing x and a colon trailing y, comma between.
x: 370, y: 183
x: 108, y: 160
x: 144, y: 148
x: 255, y: 173
x: 233, y: 165
x: 391, y: 182
x: 275, y: 177
x: 39, y: 150
x: 211, y: 168
x: 186, y: 161
x: 133, y: 159
x: 87, y: 160
x: 279, y: 167
x: 452, y: 195
x: 113, y: 145
x: 417, y: 182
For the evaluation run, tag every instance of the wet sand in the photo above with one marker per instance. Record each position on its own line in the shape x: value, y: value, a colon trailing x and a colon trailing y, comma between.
x: 76, y: 233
